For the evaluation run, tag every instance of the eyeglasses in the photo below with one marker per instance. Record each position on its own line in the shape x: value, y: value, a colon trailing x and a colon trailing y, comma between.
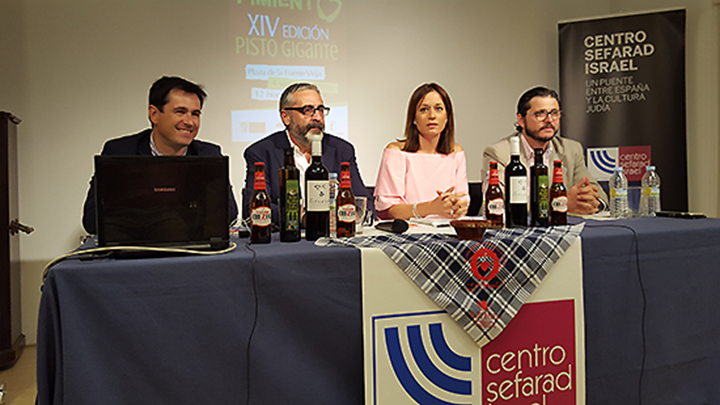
x: 542, y: 115
x: 309, y: 111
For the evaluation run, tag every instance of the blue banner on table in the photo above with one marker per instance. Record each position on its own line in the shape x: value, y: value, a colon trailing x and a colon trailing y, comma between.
x: 622, y: 83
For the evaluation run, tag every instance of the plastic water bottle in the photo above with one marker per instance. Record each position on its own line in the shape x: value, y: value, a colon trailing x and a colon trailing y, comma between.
x: 650, y: 197
x: 619, y: 194
x: 334, y: 187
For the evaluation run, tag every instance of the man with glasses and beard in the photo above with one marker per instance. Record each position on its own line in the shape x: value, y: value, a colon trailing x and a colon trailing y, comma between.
x: 303, y: 113
x: 538, y: 121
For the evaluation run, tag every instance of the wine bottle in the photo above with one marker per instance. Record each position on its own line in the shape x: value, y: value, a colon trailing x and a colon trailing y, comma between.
x: 317, y: 202
x: 539, y: 188
x: 558, y: 197
x: 516, y: 192
x: 289, y: 199
x: 345, y: 204
x: 494, y: 203
x: 261, y: 212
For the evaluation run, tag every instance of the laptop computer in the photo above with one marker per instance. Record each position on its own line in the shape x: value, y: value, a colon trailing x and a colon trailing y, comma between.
x: 179, y: 201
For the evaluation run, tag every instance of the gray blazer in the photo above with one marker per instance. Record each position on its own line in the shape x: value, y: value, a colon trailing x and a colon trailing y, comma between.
x: 567, y: 150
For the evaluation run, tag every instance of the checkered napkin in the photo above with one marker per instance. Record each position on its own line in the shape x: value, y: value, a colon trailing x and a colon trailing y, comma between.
x: 480, y: 284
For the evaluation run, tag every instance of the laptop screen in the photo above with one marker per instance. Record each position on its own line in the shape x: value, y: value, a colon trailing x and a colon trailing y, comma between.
x: 179, y: 201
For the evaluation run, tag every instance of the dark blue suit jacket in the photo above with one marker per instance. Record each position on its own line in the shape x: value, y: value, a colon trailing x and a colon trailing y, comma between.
x: 269, y: 150
x: 139, y: 144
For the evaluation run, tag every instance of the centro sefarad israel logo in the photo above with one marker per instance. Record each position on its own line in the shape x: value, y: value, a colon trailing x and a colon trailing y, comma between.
x: 633, y: 160
x: 414, y: 350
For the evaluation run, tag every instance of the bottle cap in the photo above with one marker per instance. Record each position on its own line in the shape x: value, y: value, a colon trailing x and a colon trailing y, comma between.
x: 333, y: 176
x: 618, y: 169
x: 515, y: 146
x: 650, y: 168
x: 316, y: 145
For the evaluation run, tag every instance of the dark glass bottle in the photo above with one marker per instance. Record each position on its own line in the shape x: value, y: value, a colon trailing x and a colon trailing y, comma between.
x: 539, y: 191
x: 261, y: 213
x: 494, y: 203
x: 516, y: 192
x: 317, y: 199
x: 558, y: 197
x: 289, y: 199
x: 345, y: 204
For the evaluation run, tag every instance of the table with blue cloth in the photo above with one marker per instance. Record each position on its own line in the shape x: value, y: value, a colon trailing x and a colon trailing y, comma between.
x: 652, y: 320
x: 281, y: 323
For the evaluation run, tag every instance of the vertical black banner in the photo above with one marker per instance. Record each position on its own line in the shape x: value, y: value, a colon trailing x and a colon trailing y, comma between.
x: 622, y: 84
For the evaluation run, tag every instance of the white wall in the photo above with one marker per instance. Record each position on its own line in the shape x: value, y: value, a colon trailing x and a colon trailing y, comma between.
x: 77, y: 72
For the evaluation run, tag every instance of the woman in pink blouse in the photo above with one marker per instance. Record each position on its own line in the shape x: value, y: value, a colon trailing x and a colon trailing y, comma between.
x: 423, y: 175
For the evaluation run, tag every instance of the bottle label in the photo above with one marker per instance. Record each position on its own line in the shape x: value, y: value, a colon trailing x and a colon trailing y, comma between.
x: 518, y: 190
x: 652, y: 191
x: 261, y: 216
x: 557, y: 175
x: 292, y: 205
x: 559, y: 204
x: 496, y: 207
x: 260, y: 181
x: 494, y: 178
x: 618, y: 193
x: 543, y: 197
x: 345, y: 179
x: 333, y: 188
x: 318, y: 196
x: 346, y: 213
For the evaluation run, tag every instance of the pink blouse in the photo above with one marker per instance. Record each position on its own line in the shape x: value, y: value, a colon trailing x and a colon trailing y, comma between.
x: 409, y: 178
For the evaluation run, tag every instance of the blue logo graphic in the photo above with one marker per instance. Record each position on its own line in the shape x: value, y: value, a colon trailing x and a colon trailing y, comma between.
x: 602, y: 160
x: 430, y: 371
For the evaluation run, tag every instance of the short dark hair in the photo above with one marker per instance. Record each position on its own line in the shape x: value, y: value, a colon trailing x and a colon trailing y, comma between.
x: 524, y: 102
x: 162, y: 87
x: 446, y: 143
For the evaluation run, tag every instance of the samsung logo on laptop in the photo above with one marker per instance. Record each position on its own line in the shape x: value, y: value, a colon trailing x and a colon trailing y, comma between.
x: 164, y: 189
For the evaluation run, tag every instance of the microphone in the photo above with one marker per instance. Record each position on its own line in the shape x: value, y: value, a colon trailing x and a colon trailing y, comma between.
x: 396, y: 226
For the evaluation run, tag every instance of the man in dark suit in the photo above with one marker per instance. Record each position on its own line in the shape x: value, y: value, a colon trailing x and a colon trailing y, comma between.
x: 174, y: 111
x: 303, y: 113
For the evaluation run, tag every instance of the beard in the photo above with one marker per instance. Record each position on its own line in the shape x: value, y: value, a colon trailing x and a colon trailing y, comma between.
x: 300, y: 133
x: 536, y: 134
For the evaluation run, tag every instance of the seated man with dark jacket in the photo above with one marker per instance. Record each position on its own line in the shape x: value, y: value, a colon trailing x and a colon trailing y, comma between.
x: 303, y: 113
x: 174, y: 111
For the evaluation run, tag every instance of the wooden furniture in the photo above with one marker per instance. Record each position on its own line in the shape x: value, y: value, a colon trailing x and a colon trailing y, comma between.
x: 12, y: 341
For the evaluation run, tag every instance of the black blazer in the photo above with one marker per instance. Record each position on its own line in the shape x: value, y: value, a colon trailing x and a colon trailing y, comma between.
x: 139, y: 144
x: 269, y: 150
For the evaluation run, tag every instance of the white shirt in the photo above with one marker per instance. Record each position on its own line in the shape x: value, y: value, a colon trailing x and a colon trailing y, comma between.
x: 300, y: 162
